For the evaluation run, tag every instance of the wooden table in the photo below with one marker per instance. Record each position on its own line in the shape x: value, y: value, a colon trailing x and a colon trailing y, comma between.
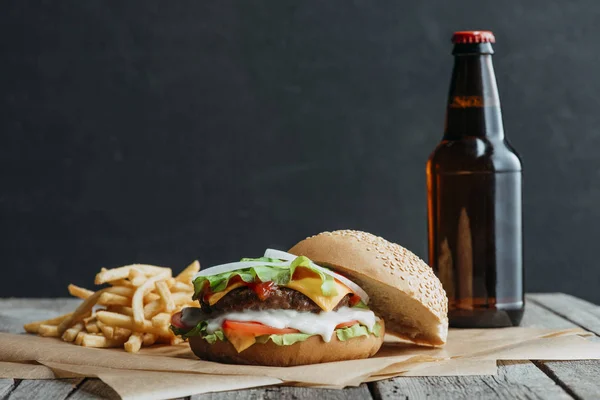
x: 522, y: 380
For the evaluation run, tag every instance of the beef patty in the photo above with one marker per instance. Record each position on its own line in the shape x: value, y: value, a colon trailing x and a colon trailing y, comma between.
x: 281, y: 298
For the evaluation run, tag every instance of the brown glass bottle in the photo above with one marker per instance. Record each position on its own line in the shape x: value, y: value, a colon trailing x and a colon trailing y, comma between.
x: 474, y: 197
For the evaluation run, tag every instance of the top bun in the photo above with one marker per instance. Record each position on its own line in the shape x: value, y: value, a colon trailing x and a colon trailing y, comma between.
x: 403, y: 289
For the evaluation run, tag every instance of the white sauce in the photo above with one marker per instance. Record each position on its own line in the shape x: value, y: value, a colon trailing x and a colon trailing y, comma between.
x: 322, y: 324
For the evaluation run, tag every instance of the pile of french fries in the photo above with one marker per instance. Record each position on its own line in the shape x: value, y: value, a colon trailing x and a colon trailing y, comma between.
x: 136, y: 312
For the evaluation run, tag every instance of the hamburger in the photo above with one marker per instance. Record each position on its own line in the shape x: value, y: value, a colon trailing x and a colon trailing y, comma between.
x: 330, y: 298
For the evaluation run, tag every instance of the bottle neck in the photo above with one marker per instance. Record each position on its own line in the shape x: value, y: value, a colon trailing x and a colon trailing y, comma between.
x: 473, y: 102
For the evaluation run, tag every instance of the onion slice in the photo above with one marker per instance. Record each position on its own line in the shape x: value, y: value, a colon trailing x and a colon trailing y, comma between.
x: 282, y: 255
x: 234, y: 266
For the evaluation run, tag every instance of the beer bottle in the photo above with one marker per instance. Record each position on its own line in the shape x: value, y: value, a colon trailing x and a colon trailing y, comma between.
x: 474, y: 196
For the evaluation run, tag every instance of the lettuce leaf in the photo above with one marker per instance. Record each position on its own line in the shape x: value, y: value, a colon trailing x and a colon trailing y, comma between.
x: 328, y: 285
x: 285, y: 339
x: 278, y: 274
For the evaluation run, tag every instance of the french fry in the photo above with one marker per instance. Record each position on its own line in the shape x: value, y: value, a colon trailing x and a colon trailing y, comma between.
x: 165, y: 295
x: 121, y: 333
x: 80, y: 292
x: 148, y: 339
x: 91, y: 327
x: 81, y: 311
x: 137, y: 277
x: 48, y: 330
x: 153, y: 308
x: 137, y: 301
x: 176, y: 340
x: 107, y: 331
x: 186, y: 275
x: 121, y: 310
x: 181, y: 287
x: 71, y: 333
x: 121, y: 290
x: 108, y: 275
x: 183, y: 298
x: 111, y: 299
x: 126, y: 322
x: 162, y: 319
x: 99, y: 341
x: 33, y: 327
x: 134, y: 343
x: 121, y: 282
x: 79, y: 338
x: 151, y: 297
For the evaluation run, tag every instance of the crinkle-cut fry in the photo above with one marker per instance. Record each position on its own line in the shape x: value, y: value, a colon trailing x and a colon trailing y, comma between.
x: 84, y: 308
x: 137, y: 301
x: 186, y: 275
x: 148, y: 339
x: 33, y: 327
x: 111, y: 299
x: 126, y: 322
x: 108, y: 275
x: 134, y: 343
x: 80, y: 292
x: 48, y: 330
x: 100, y: 341
x: 165, y: 295
x: 121, y: 310
x: 71, y: 333
x: 161, y: 319
x: 181, y: 287
x: 107, y: 331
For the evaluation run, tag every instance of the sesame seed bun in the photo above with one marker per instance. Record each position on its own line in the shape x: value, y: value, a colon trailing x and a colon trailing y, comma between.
x: 311, y: 351
x: 404, y: 290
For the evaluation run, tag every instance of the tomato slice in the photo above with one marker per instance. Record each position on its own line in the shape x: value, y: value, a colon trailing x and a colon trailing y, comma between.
x: 255, y: 328
x: 346, y: 324
x: 177, y: 322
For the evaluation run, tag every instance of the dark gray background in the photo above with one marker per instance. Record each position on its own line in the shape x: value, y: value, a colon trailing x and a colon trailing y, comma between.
x: 160, y: 132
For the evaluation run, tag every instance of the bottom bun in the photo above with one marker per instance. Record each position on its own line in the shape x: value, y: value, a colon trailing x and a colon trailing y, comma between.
x: 312, y: 351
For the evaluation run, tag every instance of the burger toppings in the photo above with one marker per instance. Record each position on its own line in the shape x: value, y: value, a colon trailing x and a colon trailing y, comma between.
x: 279, y: 297
x: 283, y: 327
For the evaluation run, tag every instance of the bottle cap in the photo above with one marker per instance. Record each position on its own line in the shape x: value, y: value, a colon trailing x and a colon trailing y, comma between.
x: 473, y: 37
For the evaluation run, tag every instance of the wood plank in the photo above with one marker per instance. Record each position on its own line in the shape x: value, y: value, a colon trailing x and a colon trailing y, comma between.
x: 289, y: 393
x: 579, y: 378
x: 44, y: 389
x: 515, y: 380
x: 578, y: 311
x: 14, y: 313
x: 6, y: 386
x: 92, y: 389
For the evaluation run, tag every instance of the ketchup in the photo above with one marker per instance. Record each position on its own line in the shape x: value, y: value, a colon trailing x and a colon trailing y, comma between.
x: 262, y: 289
x: 354, y: 300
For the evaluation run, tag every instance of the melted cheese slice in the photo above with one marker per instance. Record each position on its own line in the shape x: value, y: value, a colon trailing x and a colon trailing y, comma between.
x: 219, y: 295
x: 310, y: 287
x: 241, y: 341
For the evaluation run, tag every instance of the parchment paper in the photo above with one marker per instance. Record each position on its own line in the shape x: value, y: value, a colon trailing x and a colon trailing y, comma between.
x: 173, y: 371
